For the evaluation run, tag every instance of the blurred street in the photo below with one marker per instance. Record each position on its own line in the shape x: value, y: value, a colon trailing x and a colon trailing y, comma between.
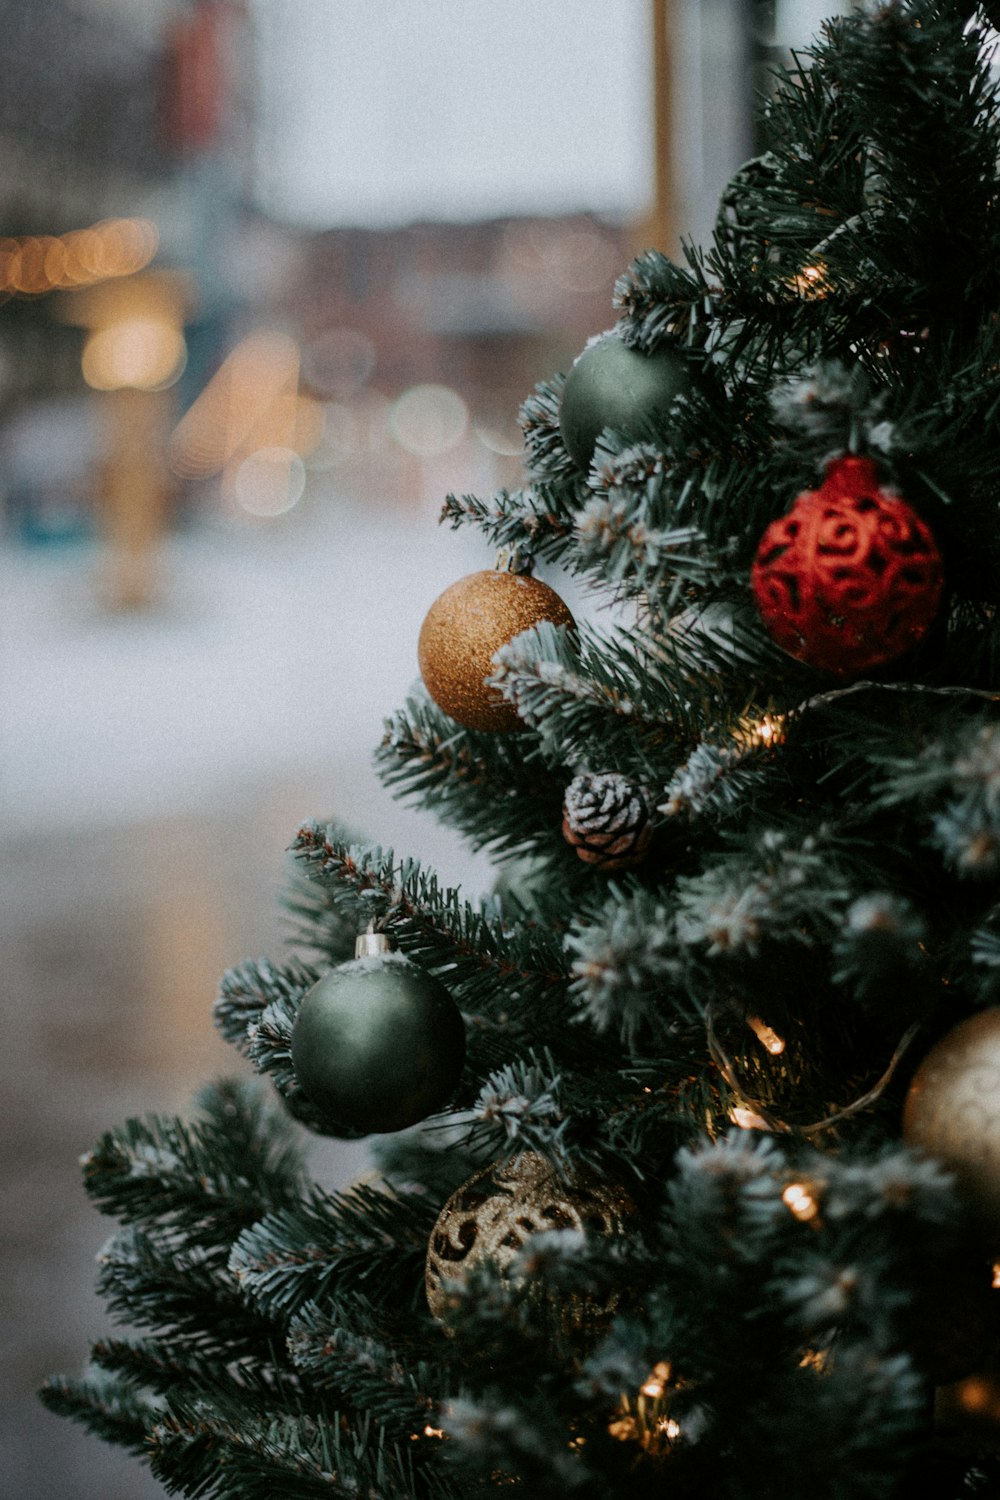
x: 153, y: 772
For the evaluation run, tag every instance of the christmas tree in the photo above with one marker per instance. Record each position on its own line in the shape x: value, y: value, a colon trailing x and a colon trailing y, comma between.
x: 688, y: 1133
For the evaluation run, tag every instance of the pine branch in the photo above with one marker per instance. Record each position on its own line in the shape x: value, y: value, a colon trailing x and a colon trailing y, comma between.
x: 108, y: 1407
x: 518, y: 1108
x: 249, y: 989
x: 956, y: 780
x: 480, y: 784
x: 369, y: 1240
x: 156, y: 1365
x: 471, y: 948
x: 720, y: 781
x: 211, y: 1446
x: 546, y: 456
x: 203, y: 1182
x: 624, y: 531
x: 777, y: 888
x: 929, y: 110
x: 658, y: 301
x: 578, y: 691
x: 256, y: 1009
x: 537, y: 521
x: 186, y: 1294
x: 356, y: 1365
x: 626, y: 966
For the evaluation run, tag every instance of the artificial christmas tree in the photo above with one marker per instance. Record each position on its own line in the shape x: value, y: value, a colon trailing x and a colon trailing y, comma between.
x: 707, y: 1259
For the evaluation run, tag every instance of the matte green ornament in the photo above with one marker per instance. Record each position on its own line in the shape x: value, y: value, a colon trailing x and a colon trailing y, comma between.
x: 377, y: 1044
x: 611, y: 385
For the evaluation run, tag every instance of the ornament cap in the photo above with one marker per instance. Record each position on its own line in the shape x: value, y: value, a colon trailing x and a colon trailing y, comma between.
x: 371, y: 945
x: 514, y: 560
x: 850, y: 475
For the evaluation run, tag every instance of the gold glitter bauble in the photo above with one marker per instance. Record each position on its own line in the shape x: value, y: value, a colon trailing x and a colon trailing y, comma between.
x: 953, y: 1112
x: 493, y: 1215
x: 465, y: 625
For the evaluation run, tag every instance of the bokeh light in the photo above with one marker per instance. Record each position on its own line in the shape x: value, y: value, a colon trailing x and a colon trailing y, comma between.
x: 250, y: 402
x: 501, y: 435
x: 146, y: 354
x: 35, y: 264
x: 428, y: 419
x: 269, y: 481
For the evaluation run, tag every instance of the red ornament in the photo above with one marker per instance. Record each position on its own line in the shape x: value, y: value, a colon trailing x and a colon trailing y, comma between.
x: 851, y: 576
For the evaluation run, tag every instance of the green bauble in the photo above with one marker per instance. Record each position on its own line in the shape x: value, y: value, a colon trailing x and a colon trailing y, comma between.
x: 611, y: 385
x: 377, y: 1045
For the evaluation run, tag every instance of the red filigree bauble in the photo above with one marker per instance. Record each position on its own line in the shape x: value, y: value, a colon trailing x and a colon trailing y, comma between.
x: 851, y: 576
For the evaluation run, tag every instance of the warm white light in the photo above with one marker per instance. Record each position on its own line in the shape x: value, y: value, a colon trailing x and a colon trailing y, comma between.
x: 656, y: 1381
x: 41, y: 263
x: 428, y: 419
x: 811, y: 282
x: 766, y: 1035
x: 746, y: 1119
x: 146, y: 354
x: 800, y: 1202
x: 269, y: 481
x: 753, y: 734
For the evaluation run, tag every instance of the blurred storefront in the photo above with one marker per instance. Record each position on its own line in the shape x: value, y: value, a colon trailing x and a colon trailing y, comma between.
x: 126, y: 135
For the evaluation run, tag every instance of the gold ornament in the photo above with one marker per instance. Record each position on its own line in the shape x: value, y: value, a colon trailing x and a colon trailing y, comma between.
x: 493, y: 1215
x: 465, y: 625
x: 953, y: 1112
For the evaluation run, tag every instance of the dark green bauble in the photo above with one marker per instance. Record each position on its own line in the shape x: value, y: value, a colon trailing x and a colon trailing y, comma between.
x: 612, y: 385
x: 377, y: 1045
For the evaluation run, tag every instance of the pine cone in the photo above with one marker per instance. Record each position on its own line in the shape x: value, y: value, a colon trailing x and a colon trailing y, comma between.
x: 606, y: 819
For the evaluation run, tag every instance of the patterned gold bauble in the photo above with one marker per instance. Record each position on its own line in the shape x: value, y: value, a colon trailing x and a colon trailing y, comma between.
x: 953, y: 1112
x: 465, y: 625
x: 493, y: 1216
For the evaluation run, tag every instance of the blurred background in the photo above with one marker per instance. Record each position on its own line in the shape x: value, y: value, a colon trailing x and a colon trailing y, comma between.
x: 275, y: 276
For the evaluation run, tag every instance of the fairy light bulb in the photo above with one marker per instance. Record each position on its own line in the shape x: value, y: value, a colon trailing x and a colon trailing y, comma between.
x: 811, y: 282
x: 656, y: 1381
x: 747, y: 1119
x: 766, y: 1035
x: 623, y: 1428
x: 800, y: 1202
x: 760, y: 733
